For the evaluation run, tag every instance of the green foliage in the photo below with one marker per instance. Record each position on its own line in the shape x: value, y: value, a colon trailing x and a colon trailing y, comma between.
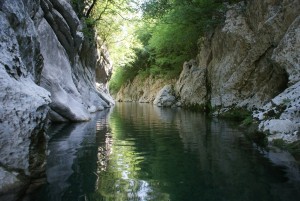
x: 121, y: 76
x: 149, y: 38
x: 178, y: 26
x: 247, y: 121
x: 130, y: 70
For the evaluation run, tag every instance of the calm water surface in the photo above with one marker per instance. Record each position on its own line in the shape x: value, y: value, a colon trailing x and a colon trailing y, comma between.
x: 140, y: 152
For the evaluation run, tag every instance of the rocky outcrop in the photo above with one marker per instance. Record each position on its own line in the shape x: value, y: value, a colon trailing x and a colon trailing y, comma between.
x: 47, y: 69
x: 252, y: 59
x: 143, y: 90
x: 70, y: 64
x: 166, y: 97
x: 23, y: 103
x: 191, y: 86
x: 237, y: 55
x: 281, y: 116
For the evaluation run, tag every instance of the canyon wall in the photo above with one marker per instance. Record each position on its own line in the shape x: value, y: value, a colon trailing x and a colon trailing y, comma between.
x: 141, y: 89
x: 251, y: 61
x: 48, y: 70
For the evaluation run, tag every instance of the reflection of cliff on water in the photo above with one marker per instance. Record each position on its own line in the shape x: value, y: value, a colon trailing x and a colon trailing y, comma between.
x: 212, y: 155
x: 73, y: 157
x: 142, y: 152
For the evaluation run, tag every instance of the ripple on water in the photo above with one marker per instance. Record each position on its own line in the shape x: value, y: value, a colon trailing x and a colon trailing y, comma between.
x: 141, y: 152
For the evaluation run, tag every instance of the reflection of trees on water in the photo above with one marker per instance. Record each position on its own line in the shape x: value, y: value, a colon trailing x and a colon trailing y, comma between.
x: 123, y: 178
x: 213, y: 155
x: 150, y: 153
x: 72, y: 158
x: 104, y: 153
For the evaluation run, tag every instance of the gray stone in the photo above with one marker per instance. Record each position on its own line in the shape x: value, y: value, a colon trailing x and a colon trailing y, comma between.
x: 35, y: 54
x: 142, y: 90
x: 191, y: 86
x: 286, y: 54
x: 57, y: 77
x: 280, y: 129
x: 165, y: 97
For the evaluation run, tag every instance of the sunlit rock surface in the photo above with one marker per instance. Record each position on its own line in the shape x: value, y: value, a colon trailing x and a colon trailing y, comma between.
x: 70, y: 64
x: 251, y: 60
x: 191, y: 85
x: 143, y: 90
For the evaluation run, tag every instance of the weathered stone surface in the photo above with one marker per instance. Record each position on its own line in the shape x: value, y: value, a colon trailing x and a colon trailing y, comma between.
x: 71, y: 65
x: 165, y: 97
x: 240, y: 71
x: 143, y: 90
x: 33, y: 53
x: 284, y: 110
x: 191, y: 86
x: 286, y: 54
x: 280, y: 129
x: 24, y: 104
x: 57, y: 77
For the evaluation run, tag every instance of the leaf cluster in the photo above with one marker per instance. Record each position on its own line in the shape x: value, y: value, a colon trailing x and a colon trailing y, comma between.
x: 150, y: 37
x: 174, y: 29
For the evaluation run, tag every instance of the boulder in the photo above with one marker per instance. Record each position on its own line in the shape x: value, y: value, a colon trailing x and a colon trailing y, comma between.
x: 165, y: 97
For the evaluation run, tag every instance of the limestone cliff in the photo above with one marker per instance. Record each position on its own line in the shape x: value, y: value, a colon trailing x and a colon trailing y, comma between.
x: 141, y: 89
x: 252, y: 61
x: 47, y: 69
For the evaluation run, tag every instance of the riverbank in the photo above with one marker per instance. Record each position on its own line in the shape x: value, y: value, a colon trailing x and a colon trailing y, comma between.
x: 250, y: 62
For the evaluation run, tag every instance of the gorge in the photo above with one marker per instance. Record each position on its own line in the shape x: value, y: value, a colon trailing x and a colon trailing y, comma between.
x: 250, y: 61
x: 48, y: 72
x: 52, y: 70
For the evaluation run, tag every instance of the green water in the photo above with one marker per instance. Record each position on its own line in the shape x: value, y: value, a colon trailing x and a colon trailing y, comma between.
x: 141, y: 152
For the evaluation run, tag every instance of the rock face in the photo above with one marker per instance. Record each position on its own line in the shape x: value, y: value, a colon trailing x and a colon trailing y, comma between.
x: 70, y: 64
x: 252, y: 59
x: 45, y: 61
x: 143, y: 90
x: 191, y: 85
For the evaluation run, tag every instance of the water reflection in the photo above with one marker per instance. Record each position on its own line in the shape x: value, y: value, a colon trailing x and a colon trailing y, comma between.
x: 140, y: 152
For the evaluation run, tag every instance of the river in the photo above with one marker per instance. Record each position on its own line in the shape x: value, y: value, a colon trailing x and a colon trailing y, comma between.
x: 140, y: 152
